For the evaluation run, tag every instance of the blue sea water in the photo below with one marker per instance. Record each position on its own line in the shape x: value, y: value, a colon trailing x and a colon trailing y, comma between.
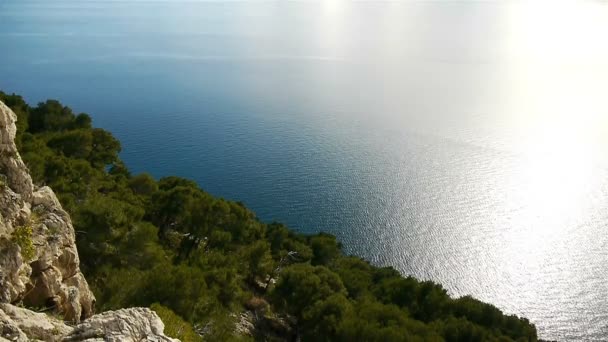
x: 462, y: 142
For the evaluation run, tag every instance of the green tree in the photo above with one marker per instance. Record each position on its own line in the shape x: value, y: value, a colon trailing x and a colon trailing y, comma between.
x: 73, y: 144
x: 356, y: 274
x: 301, y: 285
x: 50, y: 116
x: 258, y: 260
x: 325, y: 249
x: 143, y: 184
x: 321, y: 321
x: 105, y: 149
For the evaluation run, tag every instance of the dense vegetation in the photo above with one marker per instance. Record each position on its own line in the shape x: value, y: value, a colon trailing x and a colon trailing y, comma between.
x: 200, y: 261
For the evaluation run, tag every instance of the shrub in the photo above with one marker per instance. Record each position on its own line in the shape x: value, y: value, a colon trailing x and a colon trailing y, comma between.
x: 175, y: 326
x: 22, y: 236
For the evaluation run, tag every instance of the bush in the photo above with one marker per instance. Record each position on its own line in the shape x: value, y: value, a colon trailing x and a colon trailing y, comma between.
x: 22, y: 236
x: 175, y: 326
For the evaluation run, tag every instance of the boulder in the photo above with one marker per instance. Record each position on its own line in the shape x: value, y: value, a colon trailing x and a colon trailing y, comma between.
x: 128, y: 325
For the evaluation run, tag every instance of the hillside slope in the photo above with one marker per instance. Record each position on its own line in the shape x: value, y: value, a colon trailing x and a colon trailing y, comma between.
x: 40, y: 267
x: 207, y: 266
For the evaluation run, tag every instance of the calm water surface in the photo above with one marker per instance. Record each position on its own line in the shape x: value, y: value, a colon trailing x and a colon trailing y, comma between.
x: 462, y: 142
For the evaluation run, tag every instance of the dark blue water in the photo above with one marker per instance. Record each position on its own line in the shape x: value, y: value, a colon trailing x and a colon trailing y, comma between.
x: 462, y: 142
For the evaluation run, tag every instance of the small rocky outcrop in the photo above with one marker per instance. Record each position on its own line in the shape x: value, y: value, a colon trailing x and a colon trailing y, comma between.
x: 135, y: 324
x: 128, y: 325
x: 19, y: 324
x: 39, y: 265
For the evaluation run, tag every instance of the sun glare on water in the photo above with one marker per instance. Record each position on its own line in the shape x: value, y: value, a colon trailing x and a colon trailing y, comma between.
x: 558, y: 76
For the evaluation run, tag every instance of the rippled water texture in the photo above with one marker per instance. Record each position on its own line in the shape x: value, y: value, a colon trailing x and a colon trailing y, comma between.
x: 463, y: 142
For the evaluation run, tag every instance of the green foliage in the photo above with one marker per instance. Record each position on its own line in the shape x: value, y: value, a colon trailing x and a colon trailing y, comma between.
x: 283, y: 241
x: 73, y: 144
x: 175, y: 326
x: 356, y: 274
x: 105, y: 148
x: 301, y: 285
x: 325, y: 249
x: 50, y: 116
x: 196, y: 259
x: 323, y: 319
x: 143, y: 184
x: 258, y: 260
x: 373, y: 321
x: 22, y: 236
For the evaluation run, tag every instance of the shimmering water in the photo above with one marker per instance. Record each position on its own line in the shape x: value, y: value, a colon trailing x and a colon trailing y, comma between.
x: 463, y: 142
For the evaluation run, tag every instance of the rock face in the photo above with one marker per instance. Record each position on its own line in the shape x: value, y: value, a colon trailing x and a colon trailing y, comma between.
x: 48, y: 274
x: 39, y: 265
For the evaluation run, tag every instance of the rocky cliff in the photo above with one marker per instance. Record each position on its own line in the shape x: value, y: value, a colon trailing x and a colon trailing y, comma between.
x: 39, y: 265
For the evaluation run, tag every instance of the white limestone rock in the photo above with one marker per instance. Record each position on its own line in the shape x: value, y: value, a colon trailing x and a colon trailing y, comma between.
x: 53, y: 273
x: 16, y: 322
x: 128, y: 325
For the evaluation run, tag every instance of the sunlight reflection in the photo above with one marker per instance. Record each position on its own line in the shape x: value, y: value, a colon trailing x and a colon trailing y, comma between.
x: 565, y: 31
x: 333, y: 6
x: 555, y: 96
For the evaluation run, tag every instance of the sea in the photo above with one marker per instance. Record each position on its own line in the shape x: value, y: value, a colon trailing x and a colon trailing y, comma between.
x: 463, y: 142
